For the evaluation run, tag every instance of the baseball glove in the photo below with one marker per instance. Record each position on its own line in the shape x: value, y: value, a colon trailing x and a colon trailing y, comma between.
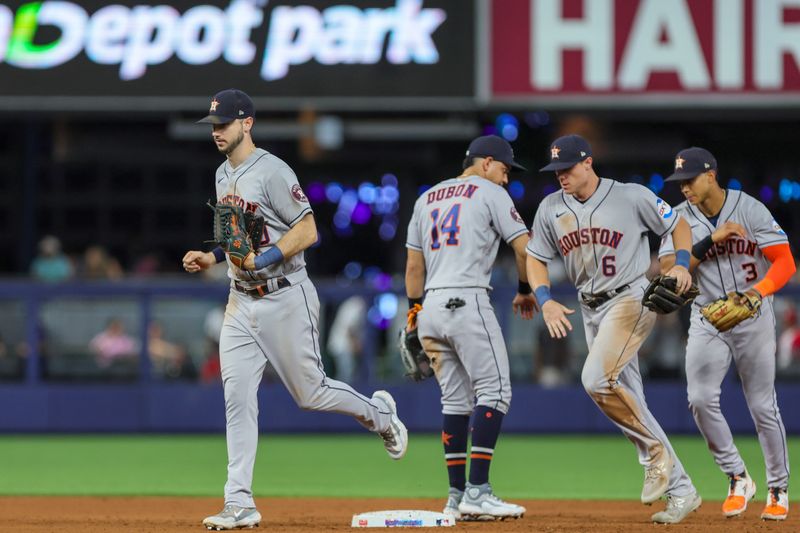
x: 662, y: 297
x: 255, y: 228
x: 231, y: 233
x: 725, y: 313
x: 415, y: 360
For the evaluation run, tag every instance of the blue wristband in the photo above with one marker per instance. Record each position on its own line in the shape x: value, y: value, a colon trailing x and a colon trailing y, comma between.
x: 542, y: 293
x: 219, y: 254
x: 270, y: 257
x: 682, y: 258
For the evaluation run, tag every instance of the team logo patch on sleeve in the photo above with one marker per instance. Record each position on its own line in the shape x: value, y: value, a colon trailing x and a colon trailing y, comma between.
x: 777, y: 227
x: 664, y: 209
x: 515, y: 215
x: 298, y: 193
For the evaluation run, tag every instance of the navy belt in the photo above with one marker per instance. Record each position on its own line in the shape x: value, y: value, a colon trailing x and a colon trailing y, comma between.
x: 271, y: 285
x: 593, y: 301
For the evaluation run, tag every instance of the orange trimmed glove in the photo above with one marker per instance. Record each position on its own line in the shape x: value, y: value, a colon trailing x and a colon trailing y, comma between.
x: 725, y: 313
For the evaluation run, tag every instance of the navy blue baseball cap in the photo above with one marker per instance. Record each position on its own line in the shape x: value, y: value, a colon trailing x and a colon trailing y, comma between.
x: 568, y: 151
x: 495, y: 147
x: 691, y: 162
x: 227, y: 106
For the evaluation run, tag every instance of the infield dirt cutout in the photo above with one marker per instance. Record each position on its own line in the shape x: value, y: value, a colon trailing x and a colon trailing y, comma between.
x: 153, y: 514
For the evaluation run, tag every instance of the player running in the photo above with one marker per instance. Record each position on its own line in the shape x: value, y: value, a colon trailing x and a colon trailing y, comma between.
x: 273, y: 309
x: 739, y: 248
x: 599, y: 227
x: 452, y: 242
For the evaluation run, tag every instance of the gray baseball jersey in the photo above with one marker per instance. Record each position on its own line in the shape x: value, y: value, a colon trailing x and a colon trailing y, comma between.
x: 603, y: 242
x: 265, y: 185
x: 735, y: 265
x: 281, y: 327
x: 450, y: 224
x: 457, y: 225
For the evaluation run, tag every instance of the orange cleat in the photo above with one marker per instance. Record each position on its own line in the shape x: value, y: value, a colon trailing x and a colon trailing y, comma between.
x: 777, y: 507
x: 742, y: 489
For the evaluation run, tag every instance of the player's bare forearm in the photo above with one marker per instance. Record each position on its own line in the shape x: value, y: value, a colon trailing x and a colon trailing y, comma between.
x: 520, y: 255
x: 682, y: 235
x: 300, y: 237
x: 415, y: 274
x: 553, y: 313
x: 537, y: 272
x: 682, y: 239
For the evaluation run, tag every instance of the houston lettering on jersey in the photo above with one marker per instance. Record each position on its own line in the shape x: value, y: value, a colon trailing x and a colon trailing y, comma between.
x: 233, y: 199
x: 732, y: 246
x: 453, y: 191
x: 603, y: 236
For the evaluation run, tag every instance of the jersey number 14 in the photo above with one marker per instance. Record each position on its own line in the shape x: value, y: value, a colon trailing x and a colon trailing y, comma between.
x: 448, y: 225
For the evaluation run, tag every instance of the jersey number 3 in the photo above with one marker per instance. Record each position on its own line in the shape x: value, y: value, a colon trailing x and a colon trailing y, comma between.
x: 448, y: 225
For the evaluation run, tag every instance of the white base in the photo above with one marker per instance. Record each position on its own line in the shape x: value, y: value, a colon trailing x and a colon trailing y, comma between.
x: 408, y: 518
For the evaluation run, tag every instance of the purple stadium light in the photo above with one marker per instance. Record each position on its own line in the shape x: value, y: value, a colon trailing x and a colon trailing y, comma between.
x: 361, y: 213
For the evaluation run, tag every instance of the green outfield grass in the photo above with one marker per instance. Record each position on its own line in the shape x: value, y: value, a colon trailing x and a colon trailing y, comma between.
x: 568, y: 467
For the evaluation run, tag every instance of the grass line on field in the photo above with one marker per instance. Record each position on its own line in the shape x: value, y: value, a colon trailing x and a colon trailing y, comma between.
x: 353, y: 465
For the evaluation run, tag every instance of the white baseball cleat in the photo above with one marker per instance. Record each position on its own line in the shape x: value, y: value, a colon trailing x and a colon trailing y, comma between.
x: 480, y: 503
x: 233, y: 517
x: 678, y: 508
x: 395, y: 438
x: 453, y: 499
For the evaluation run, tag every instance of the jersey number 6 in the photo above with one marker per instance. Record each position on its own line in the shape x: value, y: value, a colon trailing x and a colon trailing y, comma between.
x: 609, y: 265
x: 448, y: 225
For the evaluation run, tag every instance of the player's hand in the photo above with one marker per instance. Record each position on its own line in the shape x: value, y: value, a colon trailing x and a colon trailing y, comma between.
x: 525, y: 304
x: 555, y: 317
x: 682, y: 276
x: 195, y: 261
x: 249, y: 262
x: 728, y: 230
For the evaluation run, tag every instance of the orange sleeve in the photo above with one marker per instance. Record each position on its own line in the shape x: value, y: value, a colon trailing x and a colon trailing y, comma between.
x: 781, y: 271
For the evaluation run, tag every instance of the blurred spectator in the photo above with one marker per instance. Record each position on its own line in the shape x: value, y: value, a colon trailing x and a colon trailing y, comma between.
x: 210, y: 371
x: 662, y: 354
x: 98, y: 264
x: 789, y: 339
x: 147, y: 265
x: 551, y: 369
x: 113, y: 344
x: 10, y: 364
x: 51, y: 264
x: 169, y: 360
x: 346, y: 337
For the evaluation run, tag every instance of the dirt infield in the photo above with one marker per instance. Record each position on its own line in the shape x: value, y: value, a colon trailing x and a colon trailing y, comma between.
x: 89, y: 515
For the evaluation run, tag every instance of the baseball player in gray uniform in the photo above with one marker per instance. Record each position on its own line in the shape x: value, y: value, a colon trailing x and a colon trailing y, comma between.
x: 273, y: 310
x: 739, y: 248
x: 599, y: 227
x: 452, y: 243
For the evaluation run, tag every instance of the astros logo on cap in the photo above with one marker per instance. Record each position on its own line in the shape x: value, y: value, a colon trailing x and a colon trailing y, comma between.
x: 214, y: 105
x: 679, y: 161
x: 554, y: 152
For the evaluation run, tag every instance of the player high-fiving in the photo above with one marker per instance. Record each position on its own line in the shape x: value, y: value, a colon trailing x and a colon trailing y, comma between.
x: 599, y: 228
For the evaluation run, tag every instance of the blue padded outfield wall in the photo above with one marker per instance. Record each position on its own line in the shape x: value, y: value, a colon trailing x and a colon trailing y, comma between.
x: 33, y: 403
x: 197, y: 408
